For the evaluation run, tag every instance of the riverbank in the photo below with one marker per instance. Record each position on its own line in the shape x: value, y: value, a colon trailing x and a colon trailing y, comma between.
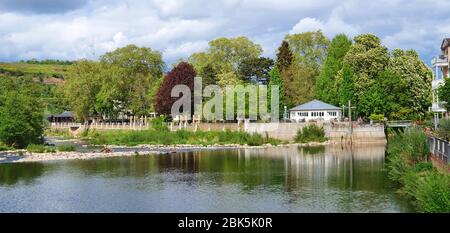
x: 410, y: 166
x: 17, y: 156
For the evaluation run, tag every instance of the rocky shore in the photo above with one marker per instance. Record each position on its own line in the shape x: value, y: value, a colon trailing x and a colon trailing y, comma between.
x: 18, y: 156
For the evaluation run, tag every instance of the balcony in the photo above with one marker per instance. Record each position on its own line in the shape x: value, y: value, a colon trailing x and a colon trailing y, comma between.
x: 438, y: 107
x: 435, y: 84
x: 440, y: 61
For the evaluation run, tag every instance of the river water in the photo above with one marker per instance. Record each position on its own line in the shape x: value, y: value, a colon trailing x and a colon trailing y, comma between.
x: 283, y: 179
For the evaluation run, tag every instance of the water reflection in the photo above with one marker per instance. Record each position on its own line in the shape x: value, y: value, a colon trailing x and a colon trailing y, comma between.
x: 282, y: 179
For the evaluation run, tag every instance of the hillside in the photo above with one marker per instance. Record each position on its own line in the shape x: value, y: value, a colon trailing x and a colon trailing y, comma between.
x: 49, y: 73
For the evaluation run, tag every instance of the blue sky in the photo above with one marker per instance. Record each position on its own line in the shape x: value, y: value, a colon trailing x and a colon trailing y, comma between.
x: 74, y: 29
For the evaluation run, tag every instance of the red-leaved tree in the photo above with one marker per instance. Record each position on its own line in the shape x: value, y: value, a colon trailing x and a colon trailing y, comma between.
x: 183, y: 73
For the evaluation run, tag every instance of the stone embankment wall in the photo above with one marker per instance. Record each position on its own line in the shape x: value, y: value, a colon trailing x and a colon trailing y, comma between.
x: 336, y: 132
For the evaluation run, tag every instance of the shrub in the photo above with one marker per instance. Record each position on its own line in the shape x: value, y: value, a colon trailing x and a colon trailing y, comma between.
x: 5, y: 148
x: 37, y: 148
x: 376, y: 117
x: 66, y: 148
x: 310, y: 133
x: 433, y: 193
x: 444, y: 129
x: 159, y: 123
x: 408, y: 166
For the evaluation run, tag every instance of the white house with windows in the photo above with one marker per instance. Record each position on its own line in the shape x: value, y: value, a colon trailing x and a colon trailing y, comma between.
x: 315, y: 110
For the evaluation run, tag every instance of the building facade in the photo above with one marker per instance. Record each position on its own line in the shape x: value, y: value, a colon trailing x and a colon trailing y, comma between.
x: 315, y: 110
x: 441, y: 68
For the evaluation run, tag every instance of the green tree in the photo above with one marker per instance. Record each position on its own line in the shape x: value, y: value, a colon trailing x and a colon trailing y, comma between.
x: 80, y: 89
x: 255, y: 68
x: 415, y: 74
x: 345, y: 84
x: 21, y: 112
x: 275, y: 80
x: 298, y: 81
x: 309, y: 48
x: 224, y: 56
x: 284, y: 56
x: 366, y: 58
x: 444, y: 93
x: 326, y: 88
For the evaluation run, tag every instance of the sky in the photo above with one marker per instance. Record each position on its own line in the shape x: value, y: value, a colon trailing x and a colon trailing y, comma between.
x: 76, y: 29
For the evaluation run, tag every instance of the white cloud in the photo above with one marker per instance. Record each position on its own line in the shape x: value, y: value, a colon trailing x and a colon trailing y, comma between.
x: 178, y: 28
x: 332, y: 27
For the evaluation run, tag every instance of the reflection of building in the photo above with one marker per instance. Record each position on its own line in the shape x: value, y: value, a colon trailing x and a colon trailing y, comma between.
x: 315, y: 110
x: 440, y: 66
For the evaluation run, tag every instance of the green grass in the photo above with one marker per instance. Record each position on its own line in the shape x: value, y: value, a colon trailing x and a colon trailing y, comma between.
x: 5, y: 148
x: 66, y: 148
x: 36, y: 148
x: 409, y: 166
x: 310, y: 133
x: 65, y: 133
x: 181, y: 137
x: 19, y: 68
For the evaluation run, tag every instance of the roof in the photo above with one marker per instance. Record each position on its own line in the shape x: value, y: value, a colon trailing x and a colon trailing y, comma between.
x: 315, y: 105
x: 64, y: 114
x: 445, y: 43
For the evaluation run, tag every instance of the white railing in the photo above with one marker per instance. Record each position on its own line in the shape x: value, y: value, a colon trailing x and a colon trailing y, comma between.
x: 440, y: 61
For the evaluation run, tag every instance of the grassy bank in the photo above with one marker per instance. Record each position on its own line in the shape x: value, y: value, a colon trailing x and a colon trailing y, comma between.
x: 153, y: 137
x: 409, y: 166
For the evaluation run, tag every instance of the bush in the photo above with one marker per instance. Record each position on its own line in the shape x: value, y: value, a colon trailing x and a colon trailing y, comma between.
x: 152, y: 137
x: 159, y: 123
x: 444, y: 129
x: 5, y: 148
x: 433, y: 193
x: 376, y: 117
x: 66, y: 148
x: 310, y: 133
x: 408, y: 165
x: 36, y: 148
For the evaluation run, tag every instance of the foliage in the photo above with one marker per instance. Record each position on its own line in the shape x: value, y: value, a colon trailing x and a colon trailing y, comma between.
x: 310, y: 133
x: 255, y: 68
x: 444, y: 129
x: 366, y: 58
x: 285, y: 56
x: 21, y: 112
x: 36, y: 70
x: 414, y: 74
x: 225, y: 56
x: 81, y: 88
x: 309, y: 48
x: 376, y: 117
x: 345, y: 82
x: 408, y: 165
x: 152, y: 137
x: 159, y: 123
x: 66, y: 148
x: 298, y: 81
x: 124, y: 80
x: 275, y: 80
x: 444, y: 93
x: 326, y: 87
x: 38, y: 148
x: 182, y: 74
x: 299, y: 78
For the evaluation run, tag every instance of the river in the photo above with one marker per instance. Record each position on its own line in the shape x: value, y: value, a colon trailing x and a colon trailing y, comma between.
x: 281, y: 179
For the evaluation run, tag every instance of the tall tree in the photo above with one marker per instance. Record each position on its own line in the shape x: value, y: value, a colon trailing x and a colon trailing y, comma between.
x: 309, y: 48
x: 366, y: 58
x: 415, y: 73
x: 182, y: 74
x: 21, y: 112
x: 326, y: 88
x: 80, y: 89
x: 275, y: 80
x: 284, y: 56
x: 298, y: 81
x: 129, y: 73
x: 224, y: 55
x: 255, y: 69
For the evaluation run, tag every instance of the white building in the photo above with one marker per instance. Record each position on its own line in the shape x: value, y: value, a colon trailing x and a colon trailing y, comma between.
x: 315, y: 110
